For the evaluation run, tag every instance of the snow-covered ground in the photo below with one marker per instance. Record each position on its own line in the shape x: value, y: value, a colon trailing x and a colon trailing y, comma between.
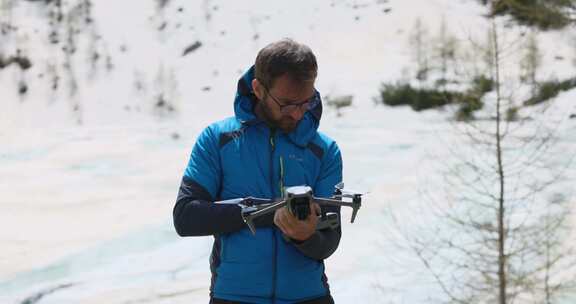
x: 85, y: 211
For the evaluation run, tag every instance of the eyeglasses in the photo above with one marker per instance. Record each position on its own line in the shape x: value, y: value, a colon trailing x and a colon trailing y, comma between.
x: 290, y: 108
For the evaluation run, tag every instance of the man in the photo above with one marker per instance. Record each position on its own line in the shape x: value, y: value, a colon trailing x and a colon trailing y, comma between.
x: 271, y: 143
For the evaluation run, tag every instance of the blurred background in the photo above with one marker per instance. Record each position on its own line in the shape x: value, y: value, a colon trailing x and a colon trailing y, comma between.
x: 457, y: 118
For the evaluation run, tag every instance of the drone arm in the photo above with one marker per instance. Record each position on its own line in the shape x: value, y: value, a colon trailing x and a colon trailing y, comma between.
x: 251, y: 215
x: 260, y: 201
x: 332, y: 202
x: 354, y: 204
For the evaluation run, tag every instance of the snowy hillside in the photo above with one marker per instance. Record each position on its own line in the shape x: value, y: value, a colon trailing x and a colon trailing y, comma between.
x: 86, y: 209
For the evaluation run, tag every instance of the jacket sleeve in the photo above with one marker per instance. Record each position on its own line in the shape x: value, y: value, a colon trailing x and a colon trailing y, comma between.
x: 323, y: 243
x: 194, y: 213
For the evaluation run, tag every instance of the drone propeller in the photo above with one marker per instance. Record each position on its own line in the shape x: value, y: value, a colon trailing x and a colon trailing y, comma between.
x: 247, y: 201
x: 234, y: 201
x: 348, y: 193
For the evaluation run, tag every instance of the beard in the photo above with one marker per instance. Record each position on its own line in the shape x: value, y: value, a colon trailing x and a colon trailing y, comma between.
x: 285, y: 123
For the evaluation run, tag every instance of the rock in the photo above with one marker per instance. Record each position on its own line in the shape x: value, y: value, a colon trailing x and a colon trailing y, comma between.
x: 160, y: 102
x: 191, y: 48
x: 22, y: 88
x: 23, y: 62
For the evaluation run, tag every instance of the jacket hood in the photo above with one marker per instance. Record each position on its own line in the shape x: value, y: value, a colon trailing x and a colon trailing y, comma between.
x: 244, y: 111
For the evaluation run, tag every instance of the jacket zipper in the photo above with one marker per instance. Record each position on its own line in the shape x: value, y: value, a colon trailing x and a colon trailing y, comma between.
x: 281, y: 182
x: 274, y: 260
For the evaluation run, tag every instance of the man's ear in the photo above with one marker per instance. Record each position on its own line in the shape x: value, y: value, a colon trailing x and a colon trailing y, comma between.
x: 257, y: 88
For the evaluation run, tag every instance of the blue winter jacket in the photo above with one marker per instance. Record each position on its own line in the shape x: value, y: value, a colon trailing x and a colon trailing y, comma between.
x: 240, y: 157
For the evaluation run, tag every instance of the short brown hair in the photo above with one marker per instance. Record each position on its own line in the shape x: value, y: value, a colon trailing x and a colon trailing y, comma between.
x: 285, y: 57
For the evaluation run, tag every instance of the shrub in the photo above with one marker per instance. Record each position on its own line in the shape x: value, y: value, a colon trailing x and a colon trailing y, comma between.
x: 469, y: 103
x: 542, y: 14
x: 512, y: 114
x: 482, y: 85
x: 550, y: 89
x: 418, y: 99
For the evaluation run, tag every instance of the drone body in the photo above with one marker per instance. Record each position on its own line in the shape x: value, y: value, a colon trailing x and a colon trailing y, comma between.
x: 297, y: 199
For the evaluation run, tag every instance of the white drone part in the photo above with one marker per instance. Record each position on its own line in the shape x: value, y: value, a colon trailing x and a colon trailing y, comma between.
x: 246, y: 209
x: 299, y: 190
x: 234, y: 201
x: 349, y: 192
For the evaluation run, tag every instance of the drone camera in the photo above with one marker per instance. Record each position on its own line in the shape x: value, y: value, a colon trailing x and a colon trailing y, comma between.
x: 300, y: 206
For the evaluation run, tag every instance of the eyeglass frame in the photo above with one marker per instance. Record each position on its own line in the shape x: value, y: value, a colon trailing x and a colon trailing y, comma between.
x: 311, y: 102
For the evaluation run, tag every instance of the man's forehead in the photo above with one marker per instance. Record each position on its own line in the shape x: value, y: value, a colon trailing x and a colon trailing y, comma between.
x: 290, y: 86
x: 290, y: 80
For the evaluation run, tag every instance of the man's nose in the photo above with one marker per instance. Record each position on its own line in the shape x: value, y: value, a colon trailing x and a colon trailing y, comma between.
x: 297, y: 113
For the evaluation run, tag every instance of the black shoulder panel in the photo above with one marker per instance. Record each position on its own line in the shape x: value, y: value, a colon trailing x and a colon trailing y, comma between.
x: 317, y: 150
x: 229, y: 136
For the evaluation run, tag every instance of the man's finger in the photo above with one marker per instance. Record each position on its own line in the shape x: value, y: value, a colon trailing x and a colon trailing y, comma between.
x: 316, y: 208
x: 282, y: 220
x: 312, y: 220
x: 278, y: 219
x: 290, y: 218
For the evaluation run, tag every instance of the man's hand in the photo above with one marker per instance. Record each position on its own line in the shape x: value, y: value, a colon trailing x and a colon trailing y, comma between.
x: 294, y: 228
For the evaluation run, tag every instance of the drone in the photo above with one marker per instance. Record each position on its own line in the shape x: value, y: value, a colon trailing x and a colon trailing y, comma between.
x: 297, y: 200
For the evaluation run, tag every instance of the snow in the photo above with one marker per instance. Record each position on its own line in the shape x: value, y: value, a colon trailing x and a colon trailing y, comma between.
x: 91, y: 204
